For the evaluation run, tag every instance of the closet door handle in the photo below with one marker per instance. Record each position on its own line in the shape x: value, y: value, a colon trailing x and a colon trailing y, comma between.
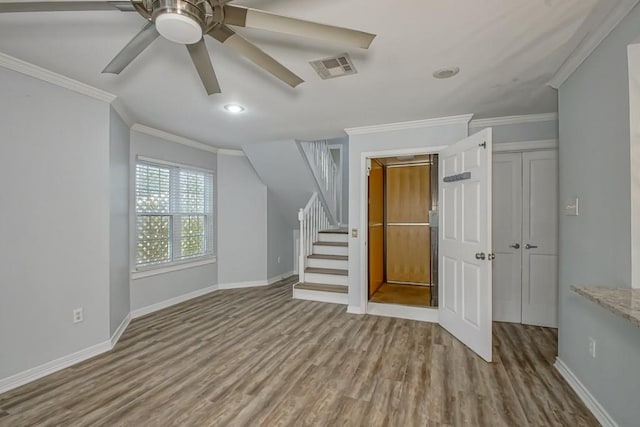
x: 515, y: 246
x: 480, y: 255
x: 528, y: 246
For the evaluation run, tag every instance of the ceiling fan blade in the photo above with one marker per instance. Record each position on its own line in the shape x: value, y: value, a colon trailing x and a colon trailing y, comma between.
x: 253, y: 18
x: 244, y: 47
x: 202, y: 61
x: 137, y: 44
x: 65, y: 6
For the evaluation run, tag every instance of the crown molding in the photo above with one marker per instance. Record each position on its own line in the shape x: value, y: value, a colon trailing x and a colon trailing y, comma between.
x: 45, y: 75
x: 513, y: 120
x: 416, y: 124
x: 591, y: 42
x: 173, y: 138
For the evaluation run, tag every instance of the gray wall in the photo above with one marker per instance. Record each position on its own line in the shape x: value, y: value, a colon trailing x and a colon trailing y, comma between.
x: 279, y: 239
x: 520, y: 132
x: 119, y: 306
x: 154, y: 289
x: 281, y: 167
x: 595, y: 246
x: 383, y: 141
x: 54, y: 251
x: 242, y: 222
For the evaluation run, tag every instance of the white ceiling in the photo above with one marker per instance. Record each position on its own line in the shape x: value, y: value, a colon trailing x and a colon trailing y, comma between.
x: 507, y: 51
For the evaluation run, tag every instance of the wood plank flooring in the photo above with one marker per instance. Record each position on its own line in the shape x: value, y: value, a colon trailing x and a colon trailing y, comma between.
x: 257, y: 357
x: 393, y: 293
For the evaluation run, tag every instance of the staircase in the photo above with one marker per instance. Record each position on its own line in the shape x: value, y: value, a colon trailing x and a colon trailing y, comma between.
x: 326, y: 274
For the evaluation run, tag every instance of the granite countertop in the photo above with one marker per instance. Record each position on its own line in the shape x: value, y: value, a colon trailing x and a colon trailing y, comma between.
x: 624, y: 302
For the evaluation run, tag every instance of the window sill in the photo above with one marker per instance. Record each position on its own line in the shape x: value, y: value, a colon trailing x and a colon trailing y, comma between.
x: 154, y: 271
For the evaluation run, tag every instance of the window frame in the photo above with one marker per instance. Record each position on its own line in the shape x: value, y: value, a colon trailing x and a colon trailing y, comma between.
x: 175, y: 263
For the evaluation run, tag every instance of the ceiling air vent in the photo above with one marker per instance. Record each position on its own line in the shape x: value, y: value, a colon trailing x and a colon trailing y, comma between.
x: 337, y: 66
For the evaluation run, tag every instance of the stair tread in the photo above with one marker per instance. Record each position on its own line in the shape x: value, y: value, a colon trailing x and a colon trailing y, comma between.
x: 339, y: 244
x: 323, y: 287
x: 334, y: 271
x: 336, y: 231
x: 332, y: 257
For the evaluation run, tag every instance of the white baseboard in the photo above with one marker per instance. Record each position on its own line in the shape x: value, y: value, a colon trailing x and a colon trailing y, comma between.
x: 422, y: 314
x: 279, y: 277
x: 594, y: 406
x: 353, y: 309
x: 118, y: 333
x: 143, y: 311
x: 320, y: 296
x: 56, y: 365
x: 256, y: 283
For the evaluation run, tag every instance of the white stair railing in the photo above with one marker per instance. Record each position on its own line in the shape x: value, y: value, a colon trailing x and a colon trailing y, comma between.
x: 326, y: 172
x: 313, y: 218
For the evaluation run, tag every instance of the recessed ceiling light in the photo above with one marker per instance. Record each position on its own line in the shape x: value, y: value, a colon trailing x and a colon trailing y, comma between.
x: 234, y: 108
x: 446, y: 73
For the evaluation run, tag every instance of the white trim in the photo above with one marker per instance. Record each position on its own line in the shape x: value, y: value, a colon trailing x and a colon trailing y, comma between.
x: 364, y: 205
x: 173, y: 138
x: 143, y: 311
x: 279, y: 277
x: 118, y: 333
x: 443, y: 121
x: 352, y: 309
x: 549, y: 144
x: 513, y: 120
x: 583, y: 393
x: 240, y: 285
x: 135, y: 275
x: 421, y: 314
x: 56, y: 365
x: 229, y: 152
x: 591, y: 42
x: 321, y: 296
x: 45, y: 75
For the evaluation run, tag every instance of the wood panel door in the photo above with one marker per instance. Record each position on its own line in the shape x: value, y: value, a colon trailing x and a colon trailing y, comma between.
x: 375, y: 227
x: 465, y: 296
x: 540, y: 238
x: 507, y: 237
x: 408, y: 244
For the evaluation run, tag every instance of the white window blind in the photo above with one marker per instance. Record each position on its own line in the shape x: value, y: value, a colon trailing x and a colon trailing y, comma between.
x: 174, y: 213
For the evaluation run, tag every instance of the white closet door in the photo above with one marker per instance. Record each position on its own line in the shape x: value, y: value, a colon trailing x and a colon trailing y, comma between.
x: 507, y: 237
x: 540, y: 238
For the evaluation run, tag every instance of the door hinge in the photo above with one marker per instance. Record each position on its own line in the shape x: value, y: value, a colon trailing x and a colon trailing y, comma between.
x: 483, y: 145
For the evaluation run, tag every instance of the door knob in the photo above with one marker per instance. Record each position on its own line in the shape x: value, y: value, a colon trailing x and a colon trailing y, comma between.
x: 480, y: 255
x: 528, y: 246
x: 515, y: 246
x: 491, y: 257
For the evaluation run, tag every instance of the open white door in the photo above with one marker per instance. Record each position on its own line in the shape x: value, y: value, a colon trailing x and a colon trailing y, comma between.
x: 465, y: 292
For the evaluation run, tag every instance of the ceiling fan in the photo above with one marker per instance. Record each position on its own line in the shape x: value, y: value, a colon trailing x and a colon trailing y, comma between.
x: 187, y: 21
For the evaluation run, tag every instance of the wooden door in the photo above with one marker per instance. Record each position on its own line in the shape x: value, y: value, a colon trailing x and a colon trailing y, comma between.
x: 465, y: 295
x: 540, y: 238
x: 507, y: 237
x: 408, y: 244
x: 376, y: 227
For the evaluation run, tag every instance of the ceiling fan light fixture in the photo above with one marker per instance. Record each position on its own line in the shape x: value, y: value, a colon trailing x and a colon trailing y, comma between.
x: 178, y: 28
x: 234, y: 108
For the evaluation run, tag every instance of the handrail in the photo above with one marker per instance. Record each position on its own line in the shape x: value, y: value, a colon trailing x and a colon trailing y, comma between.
x: 313, y: 218
x: 326, y: 173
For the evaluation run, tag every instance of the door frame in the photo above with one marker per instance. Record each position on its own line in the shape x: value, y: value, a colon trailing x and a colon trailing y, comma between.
x: 426, y: 314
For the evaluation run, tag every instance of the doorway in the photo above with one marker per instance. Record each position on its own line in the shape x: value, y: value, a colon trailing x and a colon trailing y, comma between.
x: 525, y: 234
x: 402, y: 227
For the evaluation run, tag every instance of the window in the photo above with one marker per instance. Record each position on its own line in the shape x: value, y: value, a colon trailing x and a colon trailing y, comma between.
x: 174, y: 213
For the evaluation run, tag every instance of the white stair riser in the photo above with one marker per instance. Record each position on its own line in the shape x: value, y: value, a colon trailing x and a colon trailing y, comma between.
x: 333, y: 237
x: 328, y: 263
x: 331, y: 297
x: 328, y: 279
x: 330, y: 250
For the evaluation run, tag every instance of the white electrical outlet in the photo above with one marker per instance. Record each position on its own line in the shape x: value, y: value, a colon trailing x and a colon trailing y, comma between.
x: 572, y: 207
x: 278, y: 260
x: 592, y: 347
x: 78, y: 315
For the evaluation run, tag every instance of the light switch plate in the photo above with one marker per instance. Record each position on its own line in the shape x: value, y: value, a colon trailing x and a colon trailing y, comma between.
x: 571, y: 207
x: 354, y: 232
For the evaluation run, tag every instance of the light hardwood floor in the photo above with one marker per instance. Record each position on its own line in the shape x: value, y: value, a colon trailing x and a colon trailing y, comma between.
x: 393, y: 293
x: 257, y: 357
